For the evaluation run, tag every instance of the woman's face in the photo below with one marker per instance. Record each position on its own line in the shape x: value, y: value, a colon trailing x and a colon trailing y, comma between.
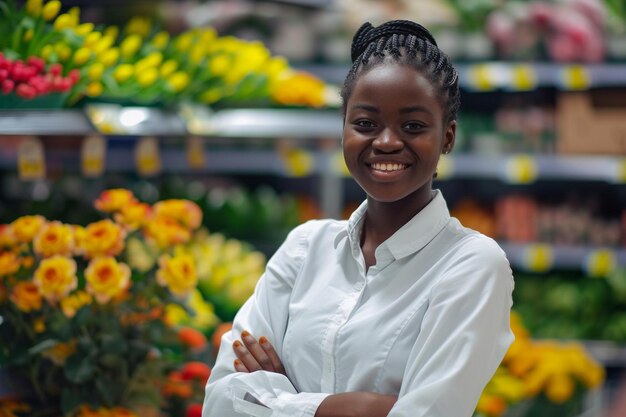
x: 394, y: 133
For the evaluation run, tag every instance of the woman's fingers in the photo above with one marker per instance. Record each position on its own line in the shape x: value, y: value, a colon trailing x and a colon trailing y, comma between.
x: 271, y: 353
x: 251, y: 354
x: 240, y: 367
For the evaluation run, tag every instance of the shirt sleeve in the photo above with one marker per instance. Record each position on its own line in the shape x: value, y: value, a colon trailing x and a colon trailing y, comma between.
x: 464, y: 336
x: 262, y: 394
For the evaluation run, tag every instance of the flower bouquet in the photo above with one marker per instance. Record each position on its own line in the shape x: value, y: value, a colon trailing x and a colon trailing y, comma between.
x: 540, y: 378
x: 84, y: 320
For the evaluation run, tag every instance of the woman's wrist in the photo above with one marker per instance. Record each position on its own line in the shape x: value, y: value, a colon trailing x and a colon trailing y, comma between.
x: 356, y: 404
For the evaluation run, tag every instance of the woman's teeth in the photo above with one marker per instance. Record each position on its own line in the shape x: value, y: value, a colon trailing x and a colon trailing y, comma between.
x: 388, y: 167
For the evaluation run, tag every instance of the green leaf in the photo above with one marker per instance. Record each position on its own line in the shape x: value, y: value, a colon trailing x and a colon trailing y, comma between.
x: 113, y: 343
x: 40, y: 347
x: 79, y: 369
x: 70, y: 400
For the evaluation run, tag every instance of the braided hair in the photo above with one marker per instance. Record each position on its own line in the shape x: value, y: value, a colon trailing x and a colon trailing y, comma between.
x: 408, y: 43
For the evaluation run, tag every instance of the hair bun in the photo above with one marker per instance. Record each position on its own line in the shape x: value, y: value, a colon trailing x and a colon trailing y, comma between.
x: 367, y: 34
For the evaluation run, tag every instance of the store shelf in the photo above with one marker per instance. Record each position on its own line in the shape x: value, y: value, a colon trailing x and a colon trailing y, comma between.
x: 44, y: 122
x: 608, y: 353
x: 537, y: 257
x: 509, y: 76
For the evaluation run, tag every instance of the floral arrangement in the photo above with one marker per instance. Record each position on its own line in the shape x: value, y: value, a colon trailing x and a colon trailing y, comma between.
x: 144, y: 65
x: 106, y: 319
x: 538, y: 378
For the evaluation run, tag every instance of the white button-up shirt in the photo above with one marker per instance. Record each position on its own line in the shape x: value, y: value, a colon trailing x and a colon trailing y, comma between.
x: 428, y: 322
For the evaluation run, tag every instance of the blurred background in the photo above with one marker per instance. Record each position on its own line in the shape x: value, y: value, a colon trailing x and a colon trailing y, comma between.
x: 233, y: 105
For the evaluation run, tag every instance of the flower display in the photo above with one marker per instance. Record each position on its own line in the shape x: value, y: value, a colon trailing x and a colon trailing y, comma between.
x: 94, y: 330
x: 543, y: 376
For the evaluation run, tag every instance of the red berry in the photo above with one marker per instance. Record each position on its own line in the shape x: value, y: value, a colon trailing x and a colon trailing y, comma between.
x: 56, y: 83
x: 7, y: 86
x: 74, y: 75
x: 36, y: 62
x: 4, y: 74
x: 194, y: 410
x: 66, y: 84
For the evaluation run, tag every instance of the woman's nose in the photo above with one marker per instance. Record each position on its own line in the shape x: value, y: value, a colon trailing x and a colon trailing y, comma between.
x: 388, y: 141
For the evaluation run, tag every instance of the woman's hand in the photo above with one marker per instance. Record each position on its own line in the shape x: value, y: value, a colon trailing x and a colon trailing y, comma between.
x: 253, y: 355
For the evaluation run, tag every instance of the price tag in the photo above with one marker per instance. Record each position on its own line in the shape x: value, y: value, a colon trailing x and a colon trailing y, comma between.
x: 445, y: 167
x: 621, y: 171
x: 521, y: 169
x: 576, y: 77
x: 147, y: 156
x: 195, y: 152
x: 93, y: 155
x: 600, y: 263
x: 523, y: 77
x: 339, y: 164
x: 481, y: 77
x: 31, y: 162
x: 538, y: 258
x: 297, y: 162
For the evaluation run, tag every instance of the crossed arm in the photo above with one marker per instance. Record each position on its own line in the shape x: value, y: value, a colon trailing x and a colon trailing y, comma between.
x: 253, y: 355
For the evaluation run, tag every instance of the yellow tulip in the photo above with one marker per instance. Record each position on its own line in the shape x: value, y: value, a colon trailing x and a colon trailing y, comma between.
x: 94, y: 89
x: 154, y: 59
x: 92, y: 38
x: 33, y: 7
x: 147, y: 77
x: 130, y: 46
x: 112, y: 32
x: 28, y: 35
x: 139, y: 25
x: 46, y: 51
x: 64, y: 21
x: 81, y: 56
x: 168, y: 67
x: 102, y: 45
x: 211, y: 95
x: 178, y: 81
x: 75, y: 13
x: 123, y: 72
x: 219, y: 64
x: 51, y: 10
x: 197, y: 53
x: 95, y: 71
x: 184, y: 41
x: 110, y: 57
x: 84, y: 29
x: 161, y: 40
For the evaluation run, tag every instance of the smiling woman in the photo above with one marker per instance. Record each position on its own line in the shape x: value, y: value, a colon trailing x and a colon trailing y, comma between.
x: 399, y: 311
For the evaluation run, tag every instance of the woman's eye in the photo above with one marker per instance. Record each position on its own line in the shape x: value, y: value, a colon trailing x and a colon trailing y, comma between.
x: 364, y: 123
x: 413, y: 126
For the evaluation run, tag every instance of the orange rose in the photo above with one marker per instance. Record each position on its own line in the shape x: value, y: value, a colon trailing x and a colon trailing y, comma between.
x: 106, y: 278
x: 196, y: 370
x: 177, y: 273
x: 56, y: 277
x: 26, y: 297
x: 114, y: 199
x: 185, y: 212
x: 9, y: 263
x: 103, y: 238
x: 192, y: 338
x: 134, y: 215
x: 74, y: 302
x: 25, y: 228
x: 6, y: 236
x: 54, y: 238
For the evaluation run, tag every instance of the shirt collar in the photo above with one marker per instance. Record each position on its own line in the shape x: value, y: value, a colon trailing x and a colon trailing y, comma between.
x: 411, y: 237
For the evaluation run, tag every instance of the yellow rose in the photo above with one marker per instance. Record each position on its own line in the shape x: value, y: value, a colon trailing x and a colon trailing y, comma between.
x: 74, y: 302
x: 54, y: 238
x: 106, y: 278
x: 56, y: 277
x: 177, y: 273
x: 186, y: 212
x: 166, y: 231
x: 33, y: 7
x: 103, y: 238
x: 130, y: 45
x: 9, y: 263
x: 51, y: 10
x: 26, y: 297
x: 123, y: 72
x: 114, y: 199
x: 59, y: 353
x: 134, y: 215
x: 79, y: 239
x: 26, y: 227
x: 6, y: 236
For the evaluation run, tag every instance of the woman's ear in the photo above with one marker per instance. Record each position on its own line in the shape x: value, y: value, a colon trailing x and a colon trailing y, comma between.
x: 449, y: 138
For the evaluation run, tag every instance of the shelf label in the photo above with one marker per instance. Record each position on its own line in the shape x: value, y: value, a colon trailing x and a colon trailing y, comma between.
x: 481, y: 77
x: 538, y: 258
x: 195, y: 152
x: 297, y: 162
x: 147, y: 156
x: 445, y: 167
x: 523, y: 77
x: 621, y: 171
x: 31, y: 161
x: 93, y: 154
x: 521, y: 169
x: 600, y: 263
x: 576, y: 77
